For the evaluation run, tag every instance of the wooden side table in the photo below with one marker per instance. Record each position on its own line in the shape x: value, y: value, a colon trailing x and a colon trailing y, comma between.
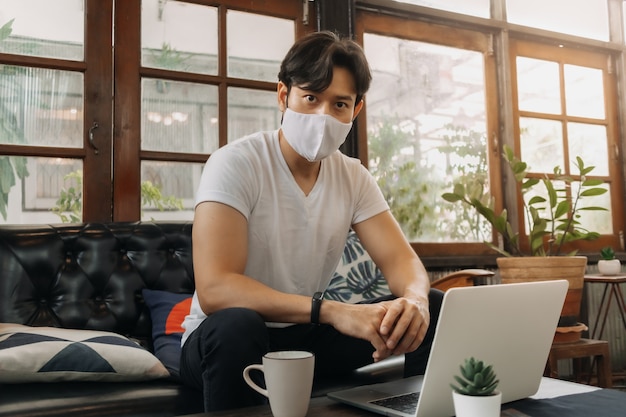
x: 577, y: 350
x: 614, y: 291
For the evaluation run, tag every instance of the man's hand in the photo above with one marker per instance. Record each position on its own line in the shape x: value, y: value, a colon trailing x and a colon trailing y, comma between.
x: 404, y: 325
x: 392, y: 327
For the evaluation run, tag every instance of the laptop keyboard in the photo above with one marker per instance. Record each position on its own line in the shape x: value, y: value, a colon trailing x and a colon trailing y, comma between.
x: 406, y: 403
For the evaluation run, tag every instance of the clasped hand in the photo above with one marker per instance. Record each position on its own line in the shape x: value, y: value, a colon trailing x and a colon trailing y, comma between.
x: 393, y: 327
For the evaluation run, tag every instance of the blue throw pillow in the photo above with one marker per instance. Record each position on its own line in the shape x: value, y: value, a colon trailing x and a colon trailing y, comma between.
x: 167, y: 311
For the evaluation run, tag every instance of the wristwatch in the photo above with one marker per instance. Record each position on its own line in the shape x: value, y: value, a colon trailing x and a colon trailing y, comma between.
x: 316, y: 303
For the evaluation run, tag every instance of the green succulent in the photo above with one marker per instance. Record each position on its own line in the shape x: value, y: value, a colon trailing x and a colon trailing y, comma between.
x: 607, y: 253
x: 477, y: 379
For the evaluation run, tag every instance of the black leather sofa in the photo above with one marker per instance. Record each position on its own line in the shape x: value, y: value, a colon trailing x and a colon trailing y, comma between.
x: 91, y: 276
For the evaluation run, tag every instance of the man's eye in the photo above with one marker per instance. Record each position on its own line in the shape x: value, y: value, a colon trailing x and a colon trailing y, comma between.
x: 310, y: 99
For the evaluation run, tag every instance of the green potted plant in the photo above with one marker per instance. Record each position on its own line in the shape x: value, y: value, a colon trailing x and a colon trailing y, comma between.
x: 609, y: 265
x: 474, y: 393
x: 552, y: 222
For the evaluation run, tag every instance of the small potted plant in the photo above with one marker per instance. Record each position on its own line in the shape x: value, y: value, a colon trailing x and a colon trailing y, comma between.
x: 609, y: 265
x: 474, y: 393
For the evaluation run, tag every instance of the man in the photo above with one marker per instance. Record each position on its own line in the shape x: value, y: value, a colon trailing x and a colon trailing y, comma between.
x: 272, y: 216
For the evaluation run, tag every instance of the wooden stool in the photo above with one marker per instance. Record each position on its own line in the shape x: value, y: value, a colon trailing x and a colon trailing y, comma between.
x: 576, y: 350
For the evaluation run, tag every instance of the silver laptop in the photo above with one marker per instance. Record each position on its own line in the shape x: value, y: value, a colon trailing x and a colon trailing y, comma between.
x: 510, y: 326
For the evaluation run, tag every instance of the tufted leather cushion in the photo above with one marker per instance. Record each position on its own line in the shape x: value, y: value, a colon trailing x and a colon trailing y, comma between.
x: 90, y: 276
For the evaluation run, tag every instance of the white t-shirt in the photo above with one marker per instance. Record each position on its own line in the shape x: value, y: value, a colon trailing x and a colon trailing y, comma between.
x: 295, y: 241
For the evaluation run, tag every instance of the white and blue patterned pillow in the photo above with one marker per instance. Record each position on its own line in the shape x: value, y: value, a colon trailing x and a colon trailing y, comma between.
x: 35, y: 354
x: 356, y: 278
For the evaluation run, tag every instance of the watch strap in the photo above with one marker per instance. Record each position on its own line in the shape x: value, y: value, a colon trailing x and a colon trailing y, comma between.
x: 316, y: 303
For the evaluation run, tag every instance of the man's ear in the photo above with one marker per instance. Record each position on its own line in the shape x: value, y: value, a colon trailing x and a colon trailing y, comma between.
x: 282, y: 92
x: 357, y: 109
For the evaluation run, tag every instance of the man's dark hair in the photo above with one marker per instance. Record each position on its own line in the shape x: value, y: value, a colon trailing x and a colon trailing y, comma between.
x: 310, y: 61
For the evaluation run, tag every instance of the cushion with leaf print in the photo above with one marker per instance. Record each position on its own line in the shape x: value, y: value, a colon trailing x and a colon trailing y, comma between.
x: 357, y: 277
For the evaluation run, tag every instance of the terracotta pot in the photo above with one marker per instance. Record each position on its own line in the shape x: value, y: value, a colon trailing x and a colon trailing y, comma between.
x: 545, y: 268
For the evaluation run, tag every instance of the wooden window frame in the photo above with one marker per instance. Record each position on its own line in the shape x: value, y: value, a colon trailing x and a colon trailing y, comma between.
x: 440, y: 34
x: 604, y: 61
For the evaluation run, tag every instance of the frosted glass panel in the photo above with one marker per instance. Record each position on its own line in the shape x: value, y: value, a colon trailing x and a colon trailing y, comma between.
x: 541, y: 143
x: 168, y: 189
x: 586, y: 18
x: 178, y: 116
x: 179, y: 36
x: 41, y: 107
x: 36, y: 196
x: 45, y: 28
x: 590, y: 143
x: 584, y: 92
x: 257, y: 44
x: 478, y: 8
x: 538, y: 85
x: 250, y: 111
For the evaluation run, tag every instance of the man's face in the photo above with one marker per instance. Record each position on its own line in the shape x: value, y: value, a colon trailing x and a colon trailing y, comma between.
x: 338, y: 100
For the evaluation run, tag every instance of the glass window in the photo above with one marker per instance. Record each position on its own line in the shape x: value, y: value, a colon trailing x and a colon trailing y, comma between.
x: 541, y: 143
x: 538, y: 85
x: 41, y: 107
x: 256, y: 53
x: 478, y: 8
x: 584, y: 91
x: 179, y: 116
x: 426, y: 130
x: 586, y: 18
x: 250, y: 111
x: 167, y: 44
x: 44, y: 28
x: 562, y: 114
x: 51, y: 192
x: 168, y: 190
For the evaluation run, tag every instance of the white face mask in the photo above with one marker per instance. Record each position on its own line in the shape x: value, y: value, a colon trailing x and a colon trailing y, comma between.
x: 314, y: 136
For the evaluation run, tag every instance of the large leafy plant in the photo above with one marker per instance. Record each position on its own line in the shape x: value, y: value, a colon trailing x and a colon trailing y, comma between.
x: 552, y: 221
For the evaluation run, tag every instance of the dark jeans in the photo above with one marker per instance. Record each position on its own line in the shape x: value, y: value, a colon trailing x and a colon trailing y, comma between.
x: 214, y: 356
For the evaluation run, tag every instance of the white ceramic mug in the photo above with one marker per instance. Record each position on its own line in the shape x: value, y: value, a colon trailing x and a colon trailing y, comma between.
x: 288, y: 378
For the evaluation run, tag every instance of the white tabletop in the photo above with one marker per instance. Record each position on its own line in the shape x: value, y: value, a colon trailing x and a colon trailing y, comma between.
x: 551, y: 388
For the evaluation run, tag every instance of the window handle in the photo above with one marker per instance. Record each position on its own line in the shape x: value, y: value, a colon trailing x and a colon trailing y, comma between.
x: 93, y: 127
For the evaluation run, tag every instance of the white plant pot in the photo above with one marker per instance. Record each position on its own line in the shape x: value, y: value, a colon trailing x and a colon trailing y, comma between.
x: 609, y: 267
x: 477, y: 406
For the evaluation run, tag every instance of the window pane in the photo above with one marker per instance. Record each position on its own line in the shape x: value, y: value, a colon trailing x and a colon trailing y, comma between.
x: 426, y: 131
x: 541, y: 144
x: 590, y: 143
x: 179, y: 36
x: 178, y: 116
x: 50, y: 191
x: 168, y: 189
x: 584, y: 92
x: 598, y: 221
x: 256, y: 53
x: 41, y: 107
x: 478, y: 8
x: 250, y: 111
x: 586, y: 18
x: 45, y: 28
x: 538, y: 85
